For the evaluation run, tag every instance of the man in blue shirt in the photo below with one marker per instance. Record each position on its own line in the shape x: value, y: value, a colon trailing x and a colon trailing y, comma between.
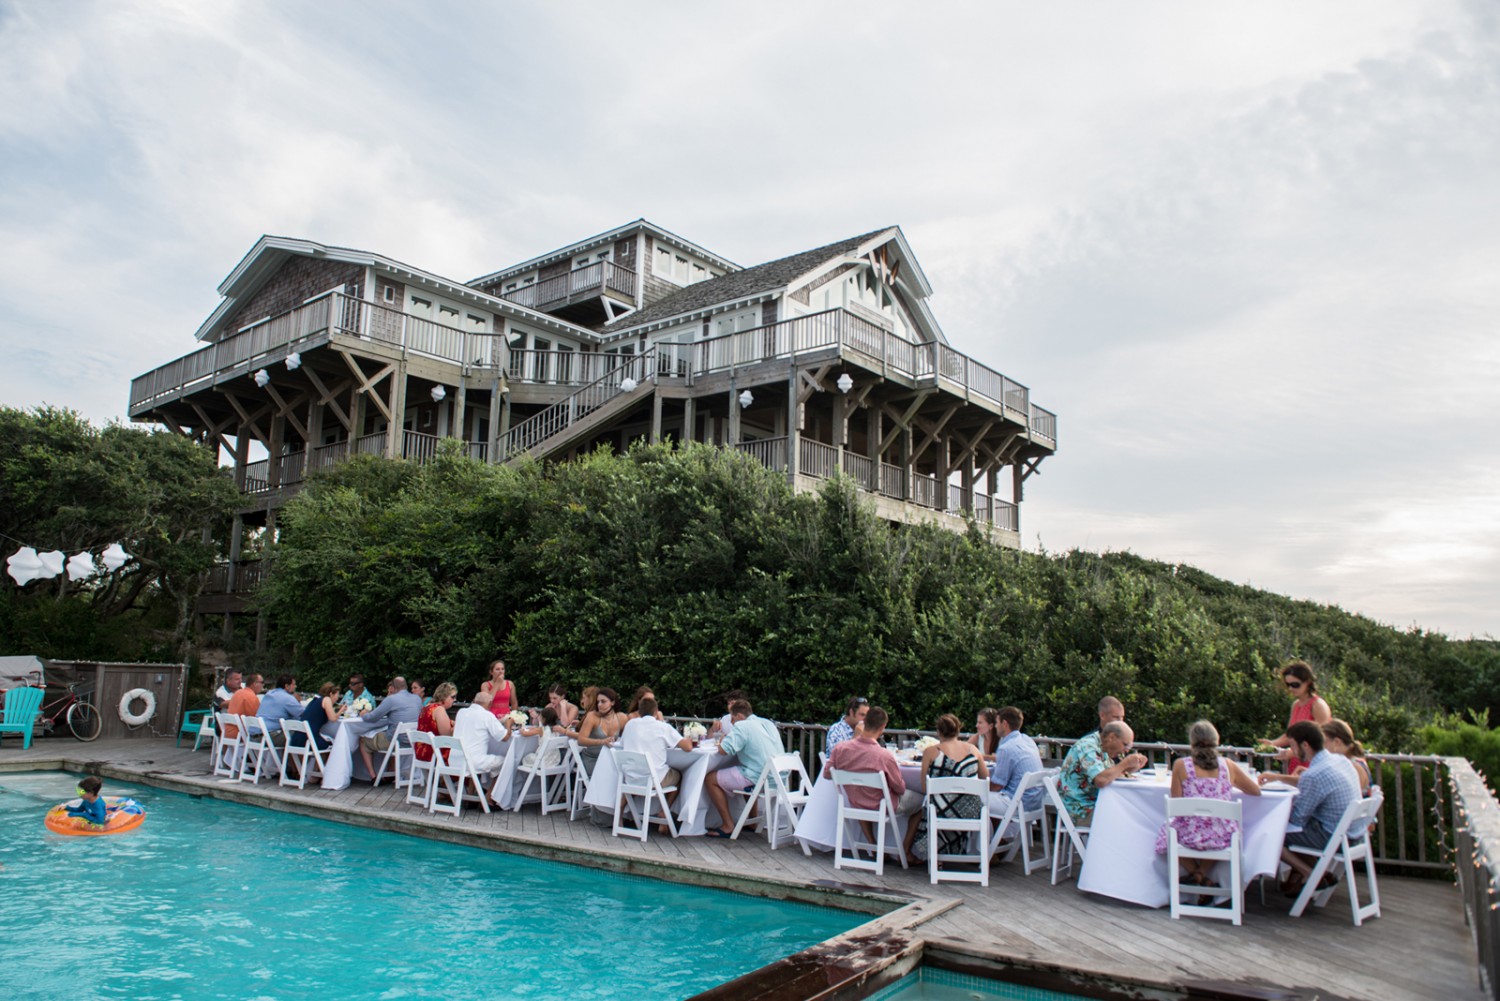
x: 278, y: 704
x: 1325, y: 789
x: 378, y: 725
x: 848, y: 727
x: 754, y: 741
x: 1015, y: 758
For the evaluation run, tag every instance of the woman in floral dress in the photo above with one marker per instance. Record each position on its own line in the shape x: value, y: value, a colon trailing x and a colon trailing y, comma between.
x: 1204, y: 775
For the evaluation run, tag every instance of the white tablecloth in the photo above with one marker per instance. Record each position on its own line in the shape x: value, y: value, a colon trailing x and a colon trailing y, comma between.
x: 506, y: 788
x: 1121, y: 860
x: 341, y: 763
x: 818, y: 826
x: 693, y: 811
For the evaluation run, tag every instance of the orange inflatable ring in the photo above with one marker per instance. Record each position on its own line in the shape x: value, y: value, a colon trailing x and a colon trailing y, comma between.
x: 125, y: 814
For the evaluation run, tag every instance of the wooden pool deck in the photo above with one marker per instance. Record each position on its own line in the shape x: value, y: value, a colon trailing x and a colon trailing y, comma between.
x: 1419, y: 948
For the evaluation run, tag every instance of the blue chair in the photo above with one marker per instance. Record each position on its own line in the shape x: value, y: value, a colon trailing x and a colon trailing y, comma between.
x: 21, y: 705
x: 199, y: 723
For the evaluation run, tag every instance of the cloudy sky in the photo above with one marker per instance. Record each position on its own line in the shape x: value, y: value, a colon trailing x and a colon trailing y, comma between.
x: 1250, y: 254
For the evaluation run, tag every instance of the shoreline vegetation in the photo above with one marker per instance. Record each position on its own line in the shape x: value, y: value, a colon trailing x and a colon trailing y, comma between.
x: 696, y: 570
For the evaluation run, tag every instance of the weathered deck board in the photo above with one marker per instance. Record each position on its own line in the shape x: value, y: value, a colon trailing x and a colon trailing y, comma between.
x: 1419, y: 948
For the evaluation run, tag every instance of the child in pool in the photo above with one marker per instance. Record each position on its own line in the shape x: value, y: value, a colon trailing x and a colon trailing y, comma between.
x: 92, y: 808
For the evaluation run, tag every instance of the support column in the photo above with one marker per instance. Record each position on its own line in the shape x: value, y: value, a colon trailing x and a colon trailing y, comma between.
x: 493, y: 448
x: 904, y: 443
x: 734, y: 417
x: 655, y: 415
x: 395, y: 438
x: 456, y: 424
x: 275, y: 450
x: 793, y: 426
x: 689, y: 419
x: 231, y: 578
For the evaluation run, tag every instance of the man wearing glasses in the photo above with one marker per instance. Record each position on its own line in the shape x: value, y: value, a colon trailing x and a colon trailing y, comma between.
x: 355, y: 692
x: 1091, y: 765
x: 850, y: 726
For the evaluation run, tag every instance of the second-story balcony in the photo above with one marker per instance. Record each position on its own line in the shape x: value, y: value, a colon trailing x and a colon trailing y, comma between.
x: 590, y: 295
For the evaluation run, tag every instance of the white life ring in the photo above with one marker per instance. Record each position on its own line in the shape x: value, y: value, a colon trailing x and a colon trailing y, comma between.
x: 136, y: 719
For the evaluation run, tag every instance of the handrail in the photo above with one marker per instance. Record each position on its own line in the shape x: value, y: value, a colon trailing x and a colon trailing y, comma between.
x: 1476, y: 862
x: 568, y: 411
x: 600, y: 276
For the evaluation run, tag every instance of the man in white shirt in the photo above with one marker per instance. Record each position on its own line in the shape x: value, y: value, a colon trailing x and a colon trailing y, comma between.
x: 654, y: 738
x: 475, y: 727
x: 233, y: 682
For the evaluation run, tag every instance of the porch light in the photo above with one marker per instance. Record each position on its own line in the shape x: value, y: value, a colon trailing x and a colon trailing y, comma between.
x: 262, y: 377
x: 746, y: 398
x: 294, y: 361
x: 627, y: 385
x: 845, y: 383
x: 438, y: 394
x: 115, y: 556
x: 81, y: 566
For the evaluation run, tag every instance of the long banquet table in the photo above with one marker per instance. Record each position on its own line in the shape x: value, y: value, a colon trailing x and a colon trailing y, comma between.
x: 692, y: 809
x: 818, y: 826
x: 1121, y: 859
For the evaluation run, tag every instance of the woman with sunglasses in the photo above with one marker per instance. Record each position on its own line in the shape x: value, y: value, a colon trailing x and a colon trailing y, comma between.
x: 1307, y: 704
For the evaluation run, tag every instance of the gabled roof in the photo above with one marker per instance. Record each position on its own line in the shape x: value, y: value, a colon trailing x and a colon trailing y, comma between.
x: 609, y: 237
x: 270, y: 252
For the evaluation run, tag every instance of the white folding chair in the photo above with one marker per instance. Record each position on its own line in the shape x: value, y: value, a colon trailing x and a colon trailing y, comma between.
x: 419, y: 781
x: 550, y: 761
x: 638, y: 781
x: 1347, y: 849
x: 206, y: 728
x: 258, y: 747
x: 400, y: 750
x: 850, y: 819
x: 1077, y: 837
x: 578, y: 790
x: 305, y: 753
x: 453, y: 776
x: 1018, y: 821
x: 976, y: 830
x: 228, y: 751
x: 783, y: 790
x: 1235, y: 891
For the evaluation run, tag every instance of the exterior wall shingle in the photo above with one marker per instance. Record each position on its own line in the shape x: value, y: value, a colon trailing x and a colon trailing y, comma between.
x: 296, y: 281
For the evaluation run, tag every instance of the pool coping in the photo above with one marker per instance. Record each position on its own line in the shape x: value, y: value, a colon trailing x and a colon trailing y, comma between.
x: 849, y: 957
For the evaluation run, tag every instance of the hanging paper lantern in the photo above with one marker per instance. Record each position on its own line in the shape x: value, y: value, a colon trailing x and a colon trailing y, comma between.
x: 262, y: 377
x: 115, y: 556
x: 294, y: 360
x: 52, y: 563
x: 627, y: 385
x: 81, y: 566
x: 438, y: 394
x: 24, y: 566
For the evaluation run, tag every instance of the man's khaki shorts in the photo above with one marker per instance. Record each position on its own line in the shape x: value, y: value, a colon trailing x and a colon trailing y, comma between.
x: 376, y: 742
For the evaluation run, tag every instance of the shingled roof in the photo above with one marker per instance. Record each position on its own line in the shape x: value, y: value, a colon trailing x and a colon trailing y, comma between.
x: 741, y: 284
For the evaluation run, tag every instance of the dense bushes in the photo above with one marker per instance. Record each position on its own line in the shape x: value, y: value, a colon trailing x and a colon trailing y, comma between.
x: 697, y: 570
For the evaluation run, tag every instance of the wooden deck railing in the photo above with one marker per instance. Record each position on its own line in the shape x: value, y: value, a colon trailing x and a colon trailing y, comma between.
x: 1476, y: 861
x: 580, y: 283
x: 629, y: 371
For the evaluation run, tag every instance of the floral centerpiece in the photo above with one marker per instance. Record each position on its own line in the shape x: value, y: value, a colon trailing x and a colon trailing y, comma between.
x: 517, y: 717
x: 923, y: 743
x: 695, y: 731
x: 358, y: 706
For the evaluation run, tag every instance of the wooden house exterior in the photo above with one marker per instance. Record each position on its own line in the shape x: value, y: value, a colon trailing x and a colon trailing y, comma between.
x: 824, y: 362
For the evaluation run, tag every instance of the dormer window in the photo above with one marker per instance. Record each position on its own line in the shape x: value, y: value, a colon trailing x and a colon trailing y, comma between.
x: 388, y: 293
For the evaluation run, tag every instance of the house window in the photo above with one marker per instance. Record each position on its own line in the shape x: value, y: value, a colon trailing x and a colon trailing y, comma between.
x: 511, y: 287
x: 478, y: 324
x: 420, y: 307
x: 448, y: 316
x: 388, y: 293
x: 582, y: 262
x: 664, y: 263
x: 700, y: 274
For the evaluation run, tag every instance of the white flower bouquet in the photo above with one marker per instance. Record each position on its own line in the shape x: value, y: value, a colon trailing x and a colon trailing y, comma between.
x: 695, y: 731
x: 923, y: 743
x: 517, y: 717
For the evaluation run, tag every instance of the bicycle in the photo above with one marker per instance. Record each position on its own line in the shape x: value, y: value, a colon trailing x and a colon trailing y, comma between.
x: 73, y: 707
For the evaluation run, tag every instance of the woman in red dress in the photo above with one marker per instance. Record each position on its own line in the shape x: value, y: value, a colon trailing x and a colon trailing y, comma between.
x: 434, y: 718
x: 502, y: 693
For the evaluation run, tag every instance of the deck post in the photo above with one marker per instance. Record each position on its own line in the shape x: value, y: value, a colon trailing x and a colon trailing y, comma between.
x: 459, y: 412
x: 689, y: 419
x: 793, y: 425
x: 655, y: 414
x: 492, y: 450
x: 275, y: 450
x: 734, y: 416
x: 395, y: 440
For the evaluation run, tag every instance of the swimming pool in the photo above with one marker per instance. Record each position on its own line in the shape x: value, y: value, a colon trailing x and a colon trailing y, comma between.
x: 210, y: 899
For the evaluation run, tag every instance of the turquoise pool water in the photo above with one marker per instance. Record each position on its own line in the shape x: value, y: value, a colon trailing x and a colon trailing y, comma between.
x: 928, y: 983
x: 211, y: 900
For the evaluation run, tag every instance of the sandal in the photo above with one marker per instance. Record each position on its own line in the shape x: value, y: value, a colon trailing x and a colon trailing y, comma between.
x: 1291, y: 884
x: 715, y: 832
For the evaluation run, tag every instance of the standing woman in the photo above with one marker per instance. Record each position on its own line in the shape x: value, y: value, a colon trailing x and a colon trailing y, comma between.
x: 600, y: 727
x: 1307, y: 704
x: 502, y: 692
x: 986, y: 736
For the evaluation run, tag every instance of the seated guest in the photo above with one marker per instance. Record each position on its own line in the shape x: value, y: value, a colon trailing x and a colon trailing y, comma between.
x: 847, y: 727
x: 318, y: 714
x: 986, y: 737
x: 1325, y: 788
x: 724, y: 723
x: 642, y: 693
x: 419, y: 689
x: 1016, y: 757
x: 245, y: 702
x: 754, y: 741
x: 541, y: 722
x: 1090, y: 766
x: 1111, y: 710
x: 601, y: 727
x: 280, y: 703
x: 233, y: 682
x: 567, y: 712
x: 950, y: 757
x: 476, y: 727
x: 586, y: 704
x: 865, y: 754
x: 1338, y: 738
x: 1204, y: 775
x: 434, y: 718
x: 654, y: 737
x: 379, y: 724
x: 356, y: 692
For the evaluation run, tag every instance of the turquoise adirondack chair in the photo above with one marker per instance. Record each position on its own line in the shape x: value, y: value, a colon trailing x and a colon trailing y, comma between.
x: 197, y: 722
x: 21, y: 705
